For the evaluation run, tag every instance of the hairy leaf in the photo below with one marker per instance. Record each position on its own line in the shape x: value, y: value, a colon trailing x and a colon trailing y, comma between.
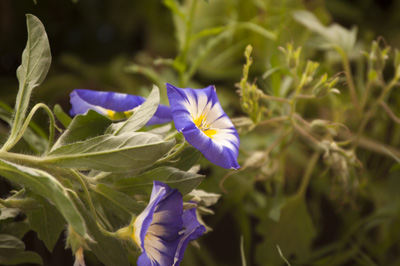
x: 36, y: 60
x: 140, y: 117
x: 122, y: 153
x: 47, y: 222
x: 82, y: 127
x: 48, y: 187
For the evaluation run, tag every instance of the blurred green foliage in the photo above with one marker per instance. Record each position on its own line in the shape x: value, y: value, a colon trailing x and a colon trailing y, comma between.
x: 320, y: 170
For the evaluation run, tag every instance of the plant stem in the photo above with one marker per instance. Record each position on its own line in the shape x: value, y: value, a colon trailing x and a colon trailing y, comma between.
x: 91, y: 206
x: 173, y: 154
x: 186, y: 45
x: 390, y: 112
x: 307, y: 175
x: 274, y: 98
x: 350, y: 81
x: 273, y: 120
x: 9, y: 144
x: 21, y: 158
x: 368, y: 116
x: 172, y: 135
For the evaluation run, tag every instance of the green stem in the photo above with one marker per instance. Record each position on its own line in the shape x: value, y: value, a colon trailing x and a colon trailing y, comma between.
x: 186, y: 44
x: 91, y: 206
x: 274, y: 98
x: 173, y: 135
x: 299, y: 86
x: 21, y: 158
x: 273, y: 120
x: 10, y: 143
x: 350, y: 81
x: 365, y: 95
x: 5, y: 203
x: 178, y: 150
x: 307, y: 175
x: 368, y: 116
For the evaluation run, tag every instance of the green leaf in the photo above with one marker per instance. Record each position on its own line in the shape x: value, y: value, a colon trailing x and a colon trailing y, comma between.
x: 25, y: 257
x: 62, y: 116
x: 140, y: 117
x: 83, y: 127
x: 175, y: 178
x: 293, y: 233
x: 47, y: 222
x: 335, y: 34
x: 9, y: 246
x: 395, y: 167
x: 17, y: 229
x: 258, y: 29
x: 36, y: 60
x: 48, y: 187
x: 107, y: 249
x: 123, y: 153
x: 117, y: 204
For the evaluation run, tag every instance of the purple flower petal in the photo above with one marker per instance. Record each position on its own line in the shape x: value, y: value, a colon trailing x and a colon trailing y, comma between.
x: 193, y: 229
x: 163, y: 229
x: 204, y: 124
x: 108, y: 103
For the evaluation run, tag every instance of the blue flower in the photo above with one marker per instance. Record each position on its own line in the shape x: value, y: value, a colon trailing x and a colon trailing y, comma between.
x: 204, y: 124
x: 114, y: 105
x: 164, y: 229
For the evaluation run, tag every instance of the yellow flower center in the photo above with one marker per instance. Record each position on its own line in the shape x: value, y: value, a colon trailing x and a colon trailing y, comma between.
x: 119, y: 115
x: 201, y: 123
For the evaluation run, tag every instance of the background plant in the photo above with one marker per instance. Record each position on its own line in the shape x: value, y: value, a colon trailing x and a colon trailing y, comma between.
x: 319, y: 169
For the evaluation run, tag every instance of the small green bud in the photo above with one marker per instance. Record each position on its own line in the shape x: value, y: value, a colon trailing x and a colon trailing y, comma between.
x: 75, y: 241
x: 311, y: 67
x: 372, y: 75
x: 320, y: 91
x: 126, y: 233
x: 319, y: 126
x: 333, y: 82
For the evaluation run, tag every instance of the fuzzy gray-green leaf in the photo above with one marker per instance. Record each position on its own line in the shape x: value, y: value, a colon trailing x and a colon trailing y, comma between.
x: 82, y: 127
x: 140, y: 117
x: 36, y: 60
x: 123, y: 153
x: 47, y: 222
x: 46, y: 186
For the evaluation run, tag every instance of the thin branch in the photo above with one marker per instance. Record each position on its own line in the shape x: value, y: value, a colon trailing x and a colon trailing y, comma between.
x: 273, y: 120
x: 390, y: 112
x: 306, y: 96
x: 274, y: 98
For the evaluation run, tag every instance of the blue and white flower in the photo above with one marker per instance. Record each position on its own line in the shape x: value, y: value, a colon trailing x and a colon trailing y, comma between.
x: 114, y: 105
x: 204, y: 124
x: 164, y: 229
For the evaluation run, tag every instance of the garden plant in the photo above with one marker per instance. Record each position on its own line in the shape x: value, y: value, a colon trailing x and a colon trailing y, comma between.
x: 236, y: 133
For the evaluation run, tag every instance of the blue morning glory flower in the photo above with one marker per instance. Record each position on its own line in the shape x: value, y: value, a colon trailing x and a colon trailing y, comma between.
x: 164, y: 229
x: 204, y: 124
x: 114, y: 105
